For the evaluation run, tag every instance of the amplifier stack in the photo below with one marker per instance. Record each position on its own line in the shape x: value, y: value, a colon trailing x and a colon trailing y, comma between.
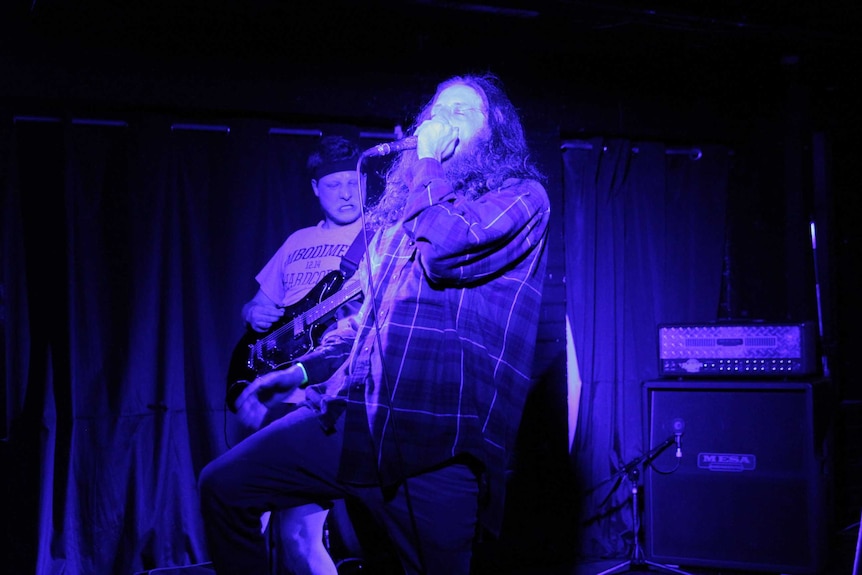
x: 750, y: 484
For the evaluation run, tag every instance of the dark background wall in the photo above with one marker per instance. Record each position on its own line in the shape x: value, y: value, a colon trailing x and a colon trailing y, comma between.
x: 774, y: 82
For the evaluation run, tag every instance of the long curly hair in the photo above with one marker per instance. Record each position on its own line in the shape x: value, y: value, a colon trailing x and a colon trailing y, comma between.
x: 498, y: 152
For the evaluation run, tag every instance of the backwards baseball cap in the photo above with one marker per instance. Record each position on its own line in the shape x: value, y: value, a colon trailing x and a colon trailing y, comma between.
x: 337, y: 151
x: 330, y: 167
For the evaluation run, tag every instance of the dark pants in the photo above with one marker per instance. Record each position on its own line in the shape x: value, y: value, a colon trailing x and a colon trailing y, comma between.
x: 430, y: 518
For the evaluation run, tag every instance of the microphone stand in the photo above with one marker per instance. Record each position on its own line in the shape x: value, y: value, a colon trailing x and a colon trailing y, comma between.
x: 638, y: 561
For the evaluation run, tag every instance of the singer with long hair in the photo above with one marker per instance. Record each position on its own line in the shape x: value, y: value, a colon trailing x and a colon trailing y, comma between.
x: 413, y: 403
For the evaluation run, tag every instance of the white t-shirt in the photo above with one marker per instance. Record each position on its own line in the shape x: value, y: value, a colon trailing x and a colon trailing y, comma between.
x: 305, y: 257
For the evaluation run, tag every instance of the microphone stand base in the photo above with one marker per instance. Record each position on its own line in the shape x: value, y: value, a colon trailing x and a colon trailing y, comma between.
x: 642, y: 565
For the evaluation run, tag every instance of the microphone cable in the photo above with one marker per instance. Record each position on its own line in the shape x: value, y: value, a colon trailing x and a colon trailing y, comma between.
x: 385, y: 386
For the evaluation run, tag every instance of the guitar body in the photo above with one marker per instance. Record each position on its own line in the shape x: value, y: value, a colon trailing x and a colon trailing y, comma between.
x: 298, y: 331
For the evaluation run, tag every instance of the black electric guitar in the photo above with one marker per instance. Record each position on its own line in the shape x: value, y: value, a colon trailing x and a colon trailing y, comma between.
x: 298, y: 331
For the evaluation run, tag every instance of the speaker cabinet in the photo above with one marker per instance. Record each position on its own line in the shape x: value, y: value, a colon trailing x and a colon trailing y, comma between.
x: 752, y: 487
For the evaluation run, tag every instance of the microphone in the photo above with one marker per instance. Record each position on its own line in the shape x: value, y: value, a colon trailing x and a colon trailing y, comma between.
x: 408, y: 143
x: 678, y: 430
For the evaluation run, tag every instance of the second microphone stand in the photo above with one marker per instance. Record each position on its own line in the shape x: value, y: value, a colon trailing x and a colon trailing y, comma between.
x: 638, y: 561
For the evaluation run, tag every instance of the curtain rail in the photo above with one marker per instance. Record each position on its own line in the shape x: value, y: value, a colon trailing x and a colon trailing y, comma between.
x: 318, y: 133
x: 693, y: 153
x: 201, y: 127
x: 89, y: 122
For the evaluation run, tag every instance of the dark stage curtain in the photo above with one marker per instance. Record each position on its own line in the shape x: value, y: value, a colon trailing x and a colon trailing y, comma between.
x: 645, y: 237
x: 130, y: 250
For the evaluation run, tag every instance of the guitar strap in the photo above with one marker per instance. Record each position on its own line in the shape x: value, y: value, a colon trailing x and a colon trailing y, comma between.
x: 350, y: 260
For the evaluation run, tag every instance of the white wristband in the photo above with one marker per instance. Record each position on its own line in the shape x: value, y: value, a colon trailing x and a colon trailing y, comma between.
x: 304, y: 374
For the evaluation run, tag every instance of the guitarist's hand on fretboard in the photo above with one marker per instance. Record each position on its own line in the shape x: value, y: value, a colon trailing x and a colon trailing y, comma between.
x: 268, y: 390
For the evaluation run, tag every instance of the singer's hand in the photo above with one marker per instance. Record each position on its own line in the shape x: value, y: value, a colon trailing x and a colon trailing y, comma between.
x: 267, y: 391
x: 436, y: 138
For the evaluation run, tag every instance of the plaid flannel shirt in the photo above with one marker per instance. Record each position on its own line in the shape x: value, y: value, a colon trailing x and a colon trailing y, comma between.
x: 457, y: 287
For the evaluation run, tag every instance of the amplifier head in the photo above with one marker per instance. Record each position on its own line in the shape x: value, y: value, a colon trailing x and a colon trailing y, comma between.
x: 739, y: 349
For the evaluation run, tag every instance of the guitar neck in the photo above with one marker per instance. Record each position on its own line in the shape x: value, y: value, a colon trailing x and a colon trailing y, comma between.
x: 350, y: 290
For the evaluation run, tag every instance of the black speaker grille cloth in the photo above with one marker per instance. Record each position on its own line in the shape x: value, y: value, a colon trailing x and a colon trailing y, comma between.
x: 748, y: 492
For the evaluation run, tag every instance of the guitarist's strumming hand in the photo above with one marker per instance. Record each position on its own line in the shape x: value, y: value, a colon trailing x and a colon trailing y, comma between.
x: 261, y: 312
x: 268, y: 390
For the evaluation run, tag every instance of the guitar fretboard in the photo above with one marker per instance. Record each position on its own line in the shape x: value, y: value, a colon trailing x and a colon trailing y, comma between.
x: 300, y: 324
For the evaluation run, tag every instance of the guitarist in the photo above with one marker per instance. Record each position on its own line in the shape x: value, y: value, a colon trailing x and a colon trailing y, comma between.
x: 302, y: 261
x: 309, y: 254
